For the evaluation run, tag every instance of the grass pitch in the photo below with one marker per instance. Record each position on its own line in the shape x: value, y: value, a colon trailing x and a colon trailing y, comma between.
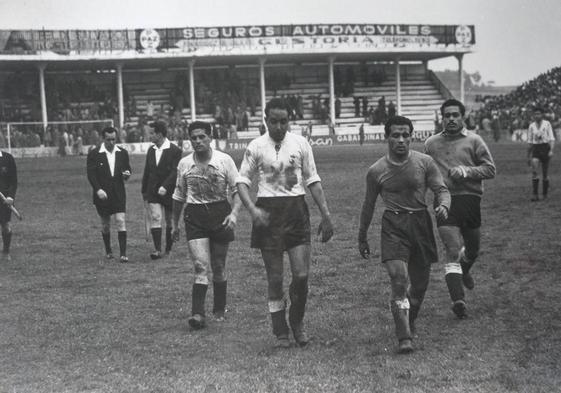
x: 73, y: 322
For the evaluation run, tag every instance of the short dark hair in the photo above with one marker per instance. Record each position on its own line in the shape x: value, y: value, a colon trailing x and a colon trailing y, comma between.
x: 160, y: 127
x: 276, y: 103
x: 453, y: 102
x: 202, y: 125
x: 538, y: 109
x: 108, y: 130
x: 397, y: 121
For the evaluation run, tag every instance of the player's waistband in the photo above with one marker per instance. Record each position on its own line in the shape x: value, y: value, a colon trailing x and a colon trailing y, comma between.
x: 397, y: 212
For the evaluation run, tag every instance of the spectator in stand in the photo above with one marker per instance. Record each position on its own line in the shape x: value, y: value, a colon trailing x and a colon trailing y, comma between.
x: 356, y: 103
x: 382, y: 109
x: 364, y: 106
x: 337, y: 107
x: 299, y: 107
x: 391, y: 110
x: 150, y: 110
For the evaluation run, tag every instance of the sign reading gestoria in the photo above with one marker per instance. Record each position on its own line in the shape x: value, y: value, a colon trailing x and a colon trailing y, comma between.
x: 228, y: 40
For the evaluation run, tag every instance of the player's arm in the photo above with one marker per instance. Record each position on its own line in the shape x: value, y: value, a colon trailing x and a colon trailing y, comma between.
x: 144, y: 184
x: 551, y: 138
x: 313, y: 182
x: 179, y: 198
x: 484, y: 167
x: 12, y: 179
x: 243, y: 182
x: 326, y: 225
x: 441, y: 193
x: 366, y: 215
x: 231, y: 177
x: 91, y: 165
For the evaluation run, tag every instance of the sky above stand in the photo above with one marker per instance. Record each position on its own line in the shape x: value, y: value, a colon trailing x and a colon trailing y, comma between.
x: 516, y: 40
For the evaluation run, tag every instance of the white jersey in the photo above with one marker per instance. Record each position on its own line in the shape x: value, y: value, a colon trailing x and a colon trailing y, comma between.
x: 540, y: 134
x: 201, y: 184
x: 284, y: 169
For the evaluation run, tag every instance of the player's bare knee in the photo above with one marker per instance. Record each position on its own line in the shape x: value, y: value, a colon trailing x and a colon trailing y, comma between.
x: 399, y: 286
x: 120, y: 222
x: 275, y: 288
x: 6, y: 227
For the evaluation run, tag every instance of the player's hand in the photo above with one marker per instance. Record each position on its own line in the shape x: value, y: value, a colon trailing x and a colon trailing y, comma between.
x: 325, y: 228
x: 162, y: 191
x: 441, y: 213
x: 455, y: 173
x: 175, y: 234
x: 364, y: 249
x: 9, y: 201
x: 230, y: 221
x: 550, y: 153
x: 101, y: 194
x: 260, y: 217
x: 126, y: 174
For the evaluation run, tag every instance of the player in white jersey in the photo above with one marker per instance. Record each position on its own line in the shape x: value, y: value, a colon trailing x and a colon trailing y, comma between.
x: 284, y: 165
x: 204, y: 180
x: 541, y: 142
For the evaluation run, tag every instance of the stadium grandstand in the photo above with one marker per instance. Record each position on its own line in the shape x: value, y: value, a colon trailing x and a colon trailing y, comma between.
x: 59, y: 87
x: 514, y: 111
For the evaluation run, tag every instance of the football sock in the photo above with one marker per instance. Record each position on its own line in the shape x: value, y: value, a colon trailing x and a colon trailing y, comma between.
x: 157, y: 238
x: 198, y: 299
x: 169, y: 239
x: 400, y: 312
x: 298, y: 293
x: 280, y: 327
x: 220, y: 295
x: 7, y: 240
x: 545, y: 187
x: 535, y: 186
x: 453, y: 276
x: 107, y: 242
x: 122, y: 236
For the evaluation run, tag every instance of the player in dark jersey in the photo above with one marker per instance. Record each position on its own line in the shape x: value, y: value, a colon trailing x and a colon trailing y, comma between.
x: 402, y: 178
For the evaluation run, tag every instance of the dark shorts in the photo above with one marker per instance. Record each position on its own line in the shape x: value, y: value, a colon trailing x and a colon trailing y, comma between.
x: 409, y: 237
x: 5, y: 214
x: 541, y: 152
x: 205, y: 221
x: 289, y: 224
x: 465, y: 212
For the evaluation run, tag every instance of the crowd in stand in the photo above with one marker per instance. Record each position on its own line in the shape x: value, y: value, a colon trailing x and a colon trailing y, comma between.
x: 513, y: 111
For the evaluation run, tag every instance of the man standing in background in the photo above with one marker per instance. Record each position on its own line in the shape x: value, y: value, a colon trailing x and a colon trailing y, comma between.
x: 107, y: 168
x: 158, y: 184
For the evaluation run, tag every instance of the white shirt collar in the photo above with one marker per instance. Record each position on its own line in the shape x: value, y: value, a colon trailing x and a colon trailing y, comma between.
x: 165, y: 145
x: 102, y: 149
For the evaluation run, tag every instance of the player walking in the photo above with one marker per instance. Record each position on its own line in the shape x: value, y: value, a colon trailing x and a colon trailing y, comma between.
x: 402, y: 178
x: 464, y: 161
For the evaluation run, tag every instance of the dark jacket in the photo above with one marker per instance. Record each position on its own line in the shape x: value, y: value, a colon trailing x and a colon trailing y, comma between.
x: 8, y: 175
x: 99, y: 176
x: 162, y: 175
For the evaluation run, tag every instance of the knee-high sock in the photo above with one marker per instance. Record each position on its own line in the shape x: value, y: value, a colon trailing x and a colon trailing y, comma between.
x: 107, y: 242
x: 400, y: 312
x: 169, y: 239
x: 122, y: 236
x: 7, y: 240
x: 157, y: 238
x: 280, y: 327
x: 198, y: 299
x: 535, y: 186
x: 220, y: 289
x: 545, y: 187
x: 453, y: 276
x: 277, y: 308
x: 298, y: 293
